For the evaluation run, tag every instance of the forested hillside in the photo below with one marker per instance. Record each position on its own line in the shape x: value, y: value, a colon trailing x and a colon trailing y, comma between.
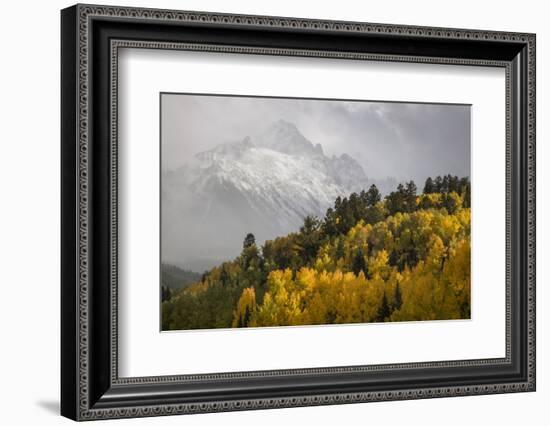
x: 174, y: 278
x: 402, y: 258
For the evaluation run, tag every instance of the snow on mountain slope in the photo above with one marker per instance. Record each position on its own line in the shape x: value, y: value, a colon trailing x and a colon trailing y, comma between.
x: 265, y: 185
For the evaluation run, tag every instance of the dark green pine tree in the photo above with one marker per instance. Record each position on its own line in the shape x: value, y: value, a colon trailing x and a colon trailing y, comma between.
x: 429, y: 187
x: 438, y: 184
x: 445, y: 183
x: 383, y: 310
x: 397, y: 298
x: 359, y: 263
x: 339, y: 249
x: 463, y: 184
x: 464, y: 190
x: 400, y: 189
x: 224, y: 275
x: 309, y: 238
x: 396, y: 200
x: 244, y: 319
x: 394, y: 258
x: 373, y: 196
x: 311, y: 224
x: 363, y: 198
x: 337, y: 203
x: 250, y: 255
x: 249, y: 240
x: 410, y: 197
x: 347, y: 214
x: 356, y: 207
x: 329, y: 224
x: 454, y: 184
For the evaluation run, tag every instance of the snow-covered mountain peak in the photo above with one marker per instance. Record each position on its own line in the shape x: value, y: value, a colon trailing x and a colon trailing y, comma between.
x: 265, y: 184
x: 285, y: 137
x: 226, y: 150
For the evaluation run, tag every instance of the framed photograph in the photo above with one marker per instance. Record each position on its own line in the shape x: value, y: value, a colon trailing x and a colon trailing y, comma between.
x: 263, y: 212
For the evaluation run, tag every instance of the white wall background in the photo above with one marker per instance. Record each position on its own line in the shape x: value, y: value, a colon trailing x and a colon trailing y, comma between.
x: 29, y: 212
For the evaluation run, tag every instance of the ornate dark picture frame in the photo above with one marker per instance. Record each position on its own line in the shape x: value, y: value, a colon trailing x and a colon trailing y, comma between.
x: 90, y: 38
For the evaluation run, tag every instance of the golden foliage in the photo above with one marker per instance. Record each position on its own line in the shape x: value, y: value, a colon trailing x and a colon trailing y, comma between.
x: 409, y: 266
x: 436, y: 287
x: 246, y: 307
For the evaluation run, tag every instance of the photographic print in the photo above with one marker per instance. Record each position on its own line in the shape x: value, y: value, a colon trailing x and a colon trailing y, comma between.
x: 298, y: 212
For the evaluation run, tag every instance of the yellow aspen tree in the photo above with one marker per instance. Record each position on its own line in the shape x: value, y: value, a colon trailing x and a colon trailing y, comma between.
x: 246, y: 307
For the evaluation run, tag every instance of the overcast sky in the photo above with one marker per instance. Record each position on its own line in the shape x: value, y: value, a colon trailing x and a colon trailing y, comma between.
x: 401, y: 140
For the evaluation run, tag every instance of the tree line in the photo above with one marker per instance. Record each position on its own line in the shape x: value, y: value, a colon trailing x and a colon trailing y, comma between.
x: 402, y: 257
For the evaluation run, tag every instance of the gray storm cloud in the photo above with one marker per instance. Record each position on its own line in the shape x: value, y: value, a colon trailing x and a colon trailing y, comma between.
x: 388, y: 139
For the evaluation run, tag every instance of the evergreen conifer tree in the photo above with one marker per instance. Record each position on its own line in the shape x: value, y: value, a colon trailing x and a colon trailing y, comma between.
x: 249, y: 240
x: 383, y: 310
x: 429, y: 187
x: 359, y: 263
x: 397, y: 298
x: 373, y: 196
